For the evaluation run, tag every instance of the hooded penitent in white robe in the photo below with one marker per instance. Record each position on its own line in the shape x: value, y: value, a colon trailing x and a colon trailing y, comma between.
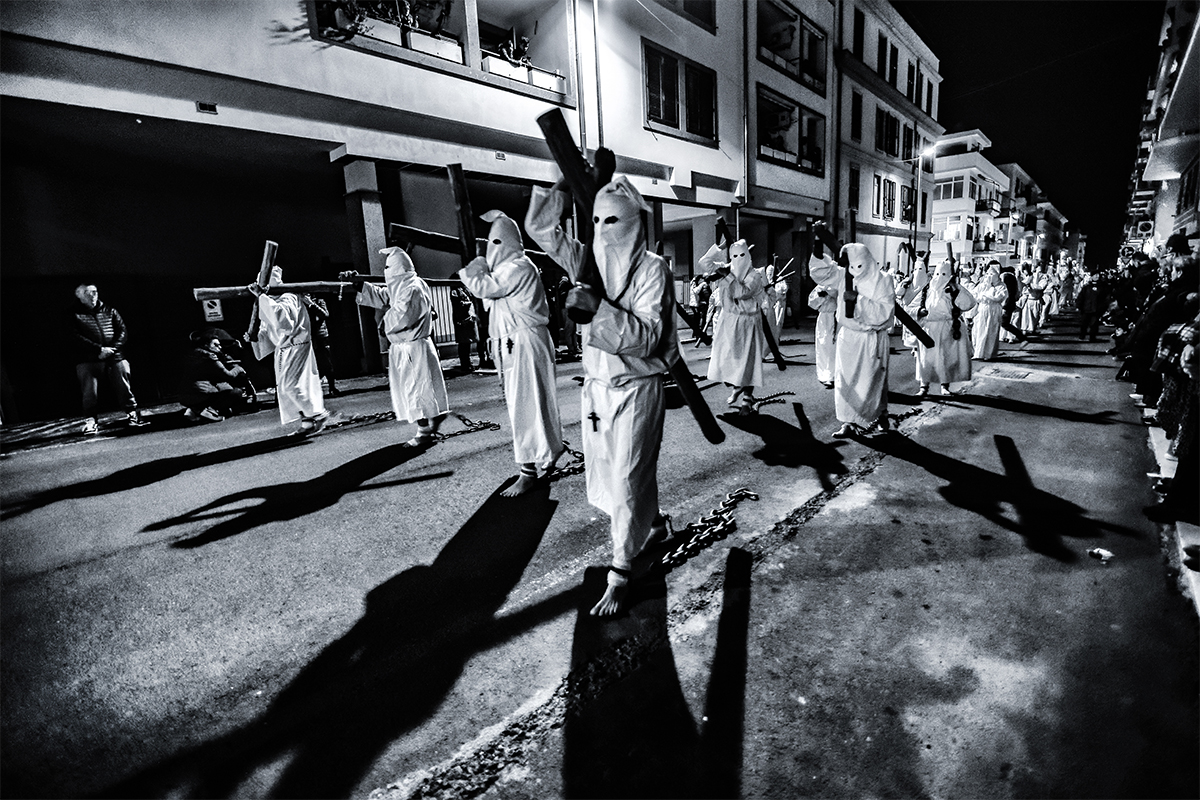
x: 521, y: 341
x: 1034, y: 295
x: 284, y: 327
x: 414, y: 372
x: 777, y: 292
x: 627, y: 348
x: 949, y: 360
x: 990, y: 293
x: 906, y: 291
x: 739, y: 345
x: 861, y: 364
x: 823, y: 300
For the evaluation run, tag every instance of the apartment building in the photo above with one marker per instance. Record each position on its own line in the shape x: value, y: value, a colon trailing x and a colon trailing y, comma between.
x: 887, y: 126
x: 1163, y: 187
x: 967, y: 193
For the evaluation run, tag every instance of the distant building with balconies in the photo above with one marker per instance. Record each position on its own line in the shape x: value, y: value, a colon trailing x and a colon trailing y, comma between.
x: 967, y: 198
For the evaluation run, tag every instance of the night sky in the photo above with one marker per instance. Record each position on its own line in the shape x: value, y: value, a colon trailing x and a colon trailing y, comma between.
x: 1057, y: 87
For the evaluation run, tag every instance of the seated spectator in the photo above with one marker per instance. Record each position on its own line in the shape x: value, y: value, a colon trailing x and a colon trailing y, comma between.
x: 215, y: 383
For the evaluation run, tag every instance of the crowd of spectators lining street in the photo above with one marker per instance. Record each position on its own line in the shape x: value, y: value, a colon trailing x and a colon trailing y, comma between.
x: 1152, y: 304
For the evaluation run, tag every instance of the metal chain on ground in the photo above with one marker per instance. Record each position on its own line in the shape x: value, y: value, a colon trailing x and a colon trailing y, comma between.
x: 575, y: 467
x: 759, y: 402
x: 471, y: 427
x: 354, y: 419
x: 708, y: 529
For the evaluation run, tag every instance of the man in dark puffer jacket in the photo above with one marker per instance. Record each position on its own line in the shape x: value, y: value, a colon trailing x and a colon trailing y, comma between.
x: 99, y: 334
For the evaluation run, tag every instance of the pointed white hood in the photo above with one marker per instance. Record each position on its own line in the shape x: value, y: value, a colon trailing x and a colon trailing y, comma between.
x: 504, y: 239
x: 620, y: 236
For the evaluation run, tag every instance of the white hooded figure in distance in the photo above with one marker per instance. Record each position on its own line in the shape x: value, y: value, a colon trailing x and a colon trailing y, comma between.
x: 511, y: 288
x: 284, y: 327
x: 823, y: 300
x: 414, y: 371
x: 627, y: 347
x: 990, y: 293
x: 866, y: 307
x: 909, y: 287
x: 738, y: 344
x: 777, y: 298
x: 938, y: 309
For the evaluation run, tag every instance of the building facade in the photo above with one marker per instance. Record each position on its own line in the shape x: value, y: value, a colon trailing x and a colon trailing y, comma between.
x: 1163, y: 187
x: 887, y: 118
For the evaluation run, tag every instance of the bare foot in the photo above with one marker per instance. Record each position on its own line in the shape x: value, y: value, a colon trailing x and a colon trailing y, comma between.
x: 522, y: 485
x: 612, y: 603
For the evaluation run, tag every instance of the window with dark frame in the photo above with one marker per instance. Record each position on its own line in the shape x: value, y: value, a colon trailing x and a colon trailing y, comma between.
x: 907, y: 144
x: 893, y: 135
x: 889, y: 199
x: 702, y: 12
x: 856, y: 108
x: 894, y: 67
x: 662, y: 88
x: 880, y: 129
x: 669, y: 78
x: 877, y: 196
x: 917, y: 84
x: 860, y: 33
x: 929, y: 99
x: 906, y: 204
x: 881, y: 57
x: 852, y: 189
x: 789, y: 133
x: 790, y: 42
x: 912, y: 81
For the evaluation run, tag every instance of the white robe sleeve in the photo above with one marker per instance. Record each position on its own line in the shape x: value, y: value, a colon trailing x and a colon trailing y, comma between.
x: 825, y: 271
x: 542, y: 225
x: 373, y: 296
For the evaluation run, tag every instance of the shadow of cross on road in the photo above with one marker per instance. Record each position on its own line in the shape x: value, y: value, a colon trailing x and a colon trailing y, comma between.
x: 790, y: 446
x: 148, y: 473
x: 1042, y: 518
x: 628, y: 731
x: 293, y: 500
x: 388, y: 674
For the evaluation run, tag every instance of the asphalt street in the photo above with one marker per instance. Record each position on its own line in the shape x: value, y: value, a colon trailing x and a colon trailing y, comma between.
x: 225, y: 611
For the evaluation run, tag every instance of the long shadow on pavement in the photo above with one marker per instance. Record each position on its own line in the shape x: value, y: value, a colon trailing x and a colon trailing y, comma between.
x: 1034, y: 409
x: 790, y: 446
x: 385, y: 676
x: 295, y: 499
x: 148, y: 473
x: 636, y: 737
x: 1042, y: 518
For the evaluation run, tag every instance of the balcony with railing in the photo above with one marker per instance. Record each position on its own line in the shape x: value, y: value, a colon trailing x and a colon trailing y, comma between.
x: 986, y: 206
x: 409, y: 26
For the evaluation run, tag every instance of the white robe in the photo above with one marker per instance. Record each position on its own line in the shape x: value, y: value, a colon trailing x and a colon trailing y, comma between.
x: 949, y: 360
x: 985, y: 328
x: 414, y: 371
x: 626, y: 349
x: 739, y: 345
x: 285, y: 327
x: 825, y: 343
x: 524, y: 353
x: 861, y: 362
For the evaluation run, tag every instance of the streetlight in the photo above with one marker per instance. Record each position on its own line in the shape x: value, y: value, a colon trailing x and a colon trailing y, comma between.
x: 918, y: 165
